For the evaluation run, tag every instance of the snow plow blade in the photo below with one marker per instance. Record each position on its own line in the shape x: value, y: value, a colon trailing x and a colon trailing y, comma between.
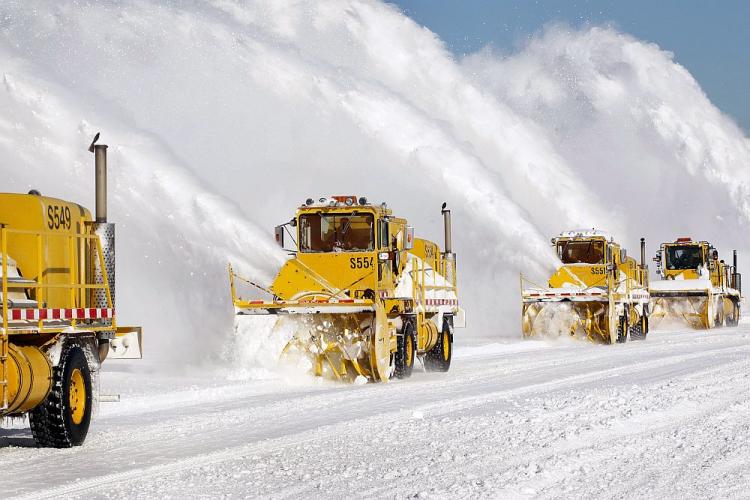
x: 340, y: 339
x: 688, y: 307
x: 682, y: 301
x: 554, y: 313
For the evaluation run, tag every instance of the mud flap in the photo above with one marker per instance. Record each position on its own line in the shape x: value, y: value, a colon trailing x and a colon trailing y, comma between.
x: 127, y: 344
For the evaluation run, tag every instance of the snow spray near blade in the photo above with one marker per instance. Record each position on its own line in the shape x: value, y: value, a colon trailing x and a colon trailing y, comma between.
x: 258, y: 351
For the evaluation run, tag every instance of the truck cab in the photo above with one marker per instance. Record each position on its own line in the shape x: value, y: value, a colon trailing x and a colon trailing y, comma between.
x: 685, y: 259
x: 589, y: 257
x: 344, y: 244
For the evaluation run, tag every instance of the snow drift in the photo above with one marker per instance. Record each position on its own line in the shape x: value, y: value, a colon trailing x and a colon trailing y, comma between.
x: 226, y: 116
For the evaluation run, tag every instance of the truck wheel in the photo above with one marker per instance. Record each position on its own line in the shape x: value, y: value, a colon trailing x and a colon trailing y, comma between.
x: 406, y: 351
x: 63, y: 419
x: 638, y: 331
x: 719, y: 320
x: 622, y: 330
x: 438, y: 359
x: 734, y: 319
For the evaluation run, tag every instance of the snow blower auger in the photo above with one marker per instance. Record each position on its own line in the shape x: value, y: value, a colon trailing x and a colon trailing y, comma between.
x: 58, y: 315
x: 599, y: 293
x: 365, y: 299
x: 696, y: 287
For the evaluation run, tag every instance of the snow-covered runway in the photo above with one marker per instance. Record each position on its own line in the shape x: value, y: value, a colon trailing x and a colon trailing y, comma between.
x: 661, y: 418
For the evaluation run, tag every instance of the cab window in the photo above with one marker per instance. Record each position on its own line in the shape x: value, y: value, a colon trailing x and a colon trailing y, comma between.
x: 336, y: 232
x: 581, y: 252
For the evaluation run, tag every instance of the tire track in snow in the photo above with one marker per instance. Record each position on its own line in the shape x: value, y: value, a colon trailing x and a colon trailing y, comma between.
x: 442, y: 407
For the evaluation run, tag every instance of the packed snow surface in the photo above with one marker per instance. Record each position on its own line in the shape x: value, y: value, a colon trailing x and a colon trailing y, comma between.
x: 662, y: 418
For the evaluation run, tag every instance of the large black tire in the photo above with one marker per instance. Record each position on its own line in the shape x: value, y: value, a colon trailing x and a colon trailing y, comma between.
x: 63, y: 419
x: 406, y: 351
x: 719, y: 320
x: 640, y: 329
x: 734, y: 319
x: 622, y: 330
x: 438, y: 359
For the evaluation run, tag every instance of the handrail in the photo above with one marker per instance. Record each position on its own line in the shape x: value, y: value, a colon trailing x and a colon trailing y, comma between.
x: 77, y: 282
x: 420, y: 287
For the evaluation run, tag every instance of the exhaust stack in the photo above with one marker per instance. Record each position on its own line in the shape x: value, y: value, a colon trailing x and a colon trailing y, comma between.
x: 643, y: 253
x: 100, y: 159
x: 102, y: 228
x: 447, y: 224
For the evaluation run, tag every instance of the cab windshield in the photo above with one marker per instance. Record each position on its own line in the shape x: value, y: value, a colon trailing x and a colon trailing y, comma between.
x: 336, y: 232
x: 684, y: 257
x: 581, y: 252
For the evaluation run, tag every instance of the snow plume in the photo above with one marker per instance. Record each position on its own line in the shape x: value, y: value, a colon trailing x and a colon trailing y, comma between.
x: 636, y: 127
x: 226, y: 116
x: 174, y: 237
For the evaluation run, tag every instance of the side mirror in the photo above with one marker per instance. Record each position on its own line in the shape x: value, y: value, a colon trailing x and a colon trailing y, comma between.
x: 623, y: 255
x: 408, y: 238
x: 279, y: 234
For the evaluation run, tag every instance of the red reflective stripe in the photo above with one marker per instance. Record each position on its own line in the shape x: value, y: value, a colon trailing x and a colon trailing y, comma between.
x: 57, y: 314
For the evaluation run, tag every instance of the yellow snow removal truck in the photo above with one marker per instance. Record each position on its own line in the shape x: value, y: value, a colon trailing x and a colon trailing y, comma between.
x: 365, y: 297
x: 58, y: 315
x: 696, y: 287
x: 599, y: 292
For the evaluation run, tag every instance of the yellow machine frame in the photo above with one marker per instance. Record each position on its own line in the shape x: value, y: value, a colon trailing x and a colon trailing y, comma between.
x: 702, y: 301
x: 336, y: 286
x: 607, y: 299
x: 58, y: 316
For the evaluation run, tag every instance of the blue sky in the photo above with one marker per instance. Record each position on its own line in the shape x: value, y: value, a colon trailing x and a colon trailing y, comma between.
x: 711, y: 39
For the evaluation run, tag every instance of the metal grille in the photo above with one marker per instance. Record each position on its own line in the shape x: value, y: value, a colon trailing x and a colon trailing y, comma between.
x: 106, y: 233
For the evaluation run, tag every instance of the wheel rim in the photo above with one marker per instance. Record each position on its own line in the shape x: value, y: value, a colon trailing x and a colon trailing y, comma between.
x: 446, y: 346
x: 77, y: 392
x: 409, y: 350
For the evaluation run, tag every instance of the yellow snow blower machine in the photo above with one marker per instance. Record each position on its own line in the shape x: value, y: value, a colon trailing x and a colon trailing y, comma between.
x: 58, y: 314
x: 598, y: 293
x: 696, y: 287
x: 365, y: 297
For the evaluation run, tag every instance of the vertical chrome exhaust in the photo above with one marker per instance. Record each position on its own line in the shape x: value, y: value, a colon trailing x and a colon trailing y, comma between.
x: 449, y: 270
x: 643, y: 253
x: 100, y: 165
x: 102, y: 228
x: 447, y: 225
